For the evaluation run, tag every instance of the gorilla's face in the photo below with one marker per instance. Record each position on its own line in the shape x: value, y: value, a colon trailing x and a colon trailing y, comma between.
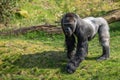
x: 69, y: 25
x: 68, y: 29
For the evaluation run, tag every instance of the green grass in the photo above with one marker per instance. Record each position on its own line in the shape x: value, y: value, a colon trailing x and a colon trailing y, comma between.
x: 49, y: 11
x: 39, y: 56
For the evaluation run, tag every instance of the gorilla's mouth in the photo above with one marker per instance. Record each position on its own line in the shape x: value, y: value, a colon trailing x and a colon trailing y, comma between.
x: 68, y: 33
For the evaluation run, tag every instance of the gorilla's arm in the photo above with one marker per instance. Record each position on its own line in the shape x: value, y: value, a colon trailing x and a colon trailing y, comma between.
x: 82, y: 49
x: 81, y: 52
x: 70, y: 45
x: 78, y: 58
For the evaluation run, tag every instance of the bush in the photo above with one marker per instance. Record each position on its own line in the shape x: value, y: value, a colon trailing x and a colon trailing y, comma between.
x: 6, y: 10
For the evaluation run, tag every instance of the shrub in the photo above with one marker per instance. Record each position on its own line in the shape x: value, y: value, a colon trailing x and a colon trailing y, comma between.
x: 6, y: 10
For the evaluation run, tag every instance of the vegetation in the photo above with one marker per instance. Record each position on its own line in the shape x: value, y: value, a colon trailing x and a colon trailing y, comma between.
x: 36, y: 12
x: 6, y: 10
x: 37, y: 55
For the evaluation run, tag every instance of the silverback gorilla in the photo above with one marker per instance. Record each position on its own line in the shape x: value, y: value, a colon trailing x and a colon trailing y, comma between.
x: 83, y: 30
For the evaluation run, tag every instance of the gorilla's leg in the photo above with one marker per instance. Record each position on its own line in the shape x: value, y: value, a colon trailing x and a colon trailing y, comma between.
x: 79, y: 56
x: 104, y: 40
x: 86, y: 49
x: 70, y: 44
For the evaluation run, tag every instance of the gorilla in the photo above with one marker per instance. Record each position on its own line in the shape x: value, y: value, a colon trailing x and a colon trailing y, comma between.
x: 80, y: 31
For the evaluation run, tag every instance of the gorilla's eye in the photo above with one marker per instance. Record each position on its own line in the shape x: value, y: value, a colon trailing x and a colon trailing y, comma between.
x: 69, y: 25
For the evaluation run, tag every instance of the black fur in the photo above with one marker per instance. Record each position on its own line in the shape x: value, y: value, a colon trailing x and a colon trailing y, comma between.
x: 84, y: 30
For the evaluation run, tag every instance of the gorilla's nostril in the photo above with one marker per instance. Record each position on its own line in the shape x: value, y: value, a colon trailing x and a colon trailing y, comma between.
x: 67, y: 30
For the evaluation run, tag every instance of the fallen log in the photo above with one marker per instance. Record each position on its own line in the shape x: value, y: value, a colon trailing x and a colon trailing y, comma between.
x: 112, y: 16
x: 46, y: 28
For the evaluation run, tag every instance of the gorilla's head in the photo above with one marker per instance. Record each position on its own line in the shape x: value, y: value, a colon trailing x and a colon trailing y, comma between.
x: 68, y: 23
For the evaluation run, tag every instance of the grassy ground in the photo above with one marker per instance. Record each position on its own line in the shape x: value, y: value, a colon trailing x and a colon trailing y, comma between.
x: 39, y: 56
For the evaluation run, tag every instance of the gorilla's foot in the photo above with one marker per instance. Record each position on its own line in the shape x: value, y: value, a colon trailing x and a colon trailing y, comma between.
x: 102, y: 58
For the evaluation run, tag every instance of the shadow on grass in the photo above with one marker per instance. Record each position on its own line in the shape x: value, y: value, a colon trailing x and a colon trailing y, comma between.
x: 44, y: 60
x: 115, y: 26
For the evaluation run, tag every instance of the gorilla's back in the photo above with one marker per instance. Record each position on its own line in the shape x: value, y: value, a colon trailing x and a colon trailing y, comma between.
x: 93, y: 25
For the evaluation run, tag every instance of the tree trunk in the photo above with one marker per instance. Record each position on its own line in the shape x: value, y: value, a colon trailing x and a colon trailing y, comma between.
x: 112, y: 16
